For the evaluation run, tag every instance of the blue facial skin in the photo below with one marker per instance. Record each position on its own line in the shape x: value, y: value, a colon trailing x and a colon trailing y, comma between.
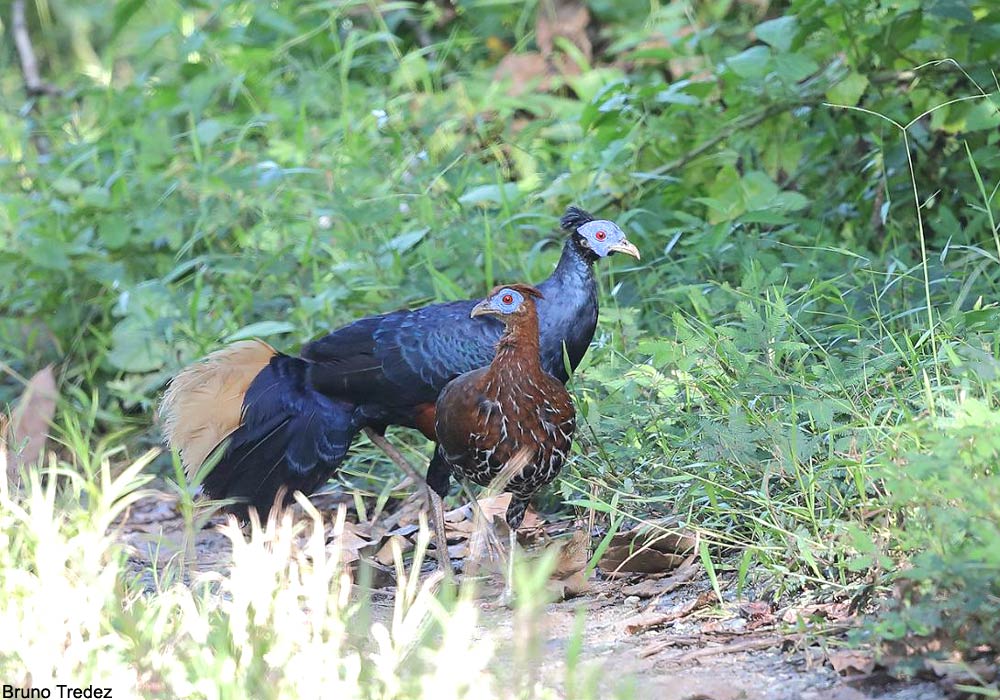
x: 499, y: 301
x: 504, y: 302
x: 601, y: 237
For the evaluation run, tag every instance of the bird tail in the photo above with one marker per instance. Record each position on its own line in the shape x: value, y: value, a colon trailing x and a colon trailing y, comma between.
x: 204, y: 403
x: 282, y: 434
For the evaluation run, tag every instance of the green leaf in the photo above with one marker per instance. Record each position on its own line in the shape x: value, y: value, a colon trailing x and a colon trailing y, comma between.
x: 675, y: 94
x: 904, y: 29
x: 261, y: 329
x: 114, y: 232
x: 405, y: 241
x: 124, y: 12
x: 790, y: 201
x: 275, y: 21
x: 208, y: 130
x: 758, y: 190
x: 135, y: 348
x: 779, y: 32
x: 794, y: 67
x: 96, y: 197
x: 706, y: 561
x: 958, y: 10
x: 50, y: 255
x: 983, y: 114
x: 848, y: 91
x: 67, y: 186
x: 490, y: 194
x: 755, y: 62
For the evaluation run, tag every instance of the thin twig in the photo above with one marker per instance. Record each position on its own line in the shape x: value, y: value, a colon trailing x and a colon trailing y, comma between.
x: 29, y: 64
x: 753, y: 644
x: 33, y: 83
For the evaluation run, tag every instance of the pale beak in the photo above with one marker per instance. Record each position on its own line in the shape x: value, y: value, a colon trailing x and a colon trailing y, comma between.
x: 625, y: 247
x: 483, y: 308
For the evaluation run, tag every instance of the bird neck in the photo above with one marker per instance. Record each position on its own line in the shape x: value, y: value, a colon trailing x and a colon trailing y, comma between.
x: 575, y: 261
x: 519, y: 343
x: 572, y: 283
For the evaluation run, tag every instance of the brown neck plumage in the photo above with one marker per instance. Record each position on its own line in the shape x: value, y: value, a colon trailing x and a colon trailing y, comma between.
x: 519, y: 342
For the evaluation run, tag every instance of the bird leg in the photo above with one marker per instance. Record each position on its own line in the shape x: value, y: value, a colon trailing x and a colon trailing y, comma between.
x: 395, y: 455
x: 508, y: 589
x: 435, y: 502
x: 493, y: 546
x: 440, y: 536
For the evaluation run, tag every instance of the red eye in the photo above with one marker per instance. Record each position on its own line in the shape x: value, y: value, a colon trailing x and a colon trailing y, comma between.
x: 507, y: 299
x: 600, y: 235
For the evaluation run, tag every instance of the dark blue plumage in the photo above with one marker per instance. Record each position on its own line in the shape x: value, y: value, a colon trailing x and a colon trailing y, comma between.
x: 291, y: 435
x: 301, y: 414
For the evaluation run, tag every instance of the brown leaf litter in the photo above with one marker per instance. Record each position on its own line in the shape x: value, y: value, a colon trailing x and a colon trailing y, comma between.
x: 30, y: 422
x: 545, y: 69
x: 652, y: 547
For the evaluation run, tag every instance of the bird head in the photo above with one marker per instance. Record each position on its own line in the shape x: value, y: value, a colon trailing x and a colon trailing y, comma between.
x: 507, y: 302
x: 598, y: 236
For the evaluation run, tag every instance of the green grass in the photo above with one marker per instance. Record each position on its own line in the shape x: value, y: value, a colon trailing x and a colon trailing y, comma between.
x: 803, y: 367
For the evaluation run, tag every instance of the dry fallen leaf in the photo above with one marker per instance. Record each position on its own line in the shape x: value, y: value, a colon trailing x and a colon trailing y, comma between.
x: 350, y: 542
x: 385, y: 555
x: 840, y: 610
x: 842, y: 692
x: 157, y: 507
x: 568, y: 578
x: 651, y: 588
x: 646, y: 620
x: 532, y: 71
x: 954, y: 673
x: 758, y: 613
x: 496, y: 505
x: 851, y: 662
x: 525, y: 71
x: 408, y: 513
x: 643, y: 561
x: 649, y: 548
x: 460, y: 521
x: 30, y: 421
x: 563, y: 18
x: 482, y: 556
x: 156, y: 544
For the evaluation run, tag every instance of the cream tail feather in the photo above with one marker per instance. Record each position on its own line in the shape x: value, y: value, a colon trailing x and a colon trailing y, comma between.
x: 204, y: 403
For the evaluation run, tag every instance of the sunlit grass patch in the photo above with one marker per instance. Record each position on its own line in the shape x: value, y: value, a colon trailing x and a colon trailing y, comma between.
x: 283, y: 621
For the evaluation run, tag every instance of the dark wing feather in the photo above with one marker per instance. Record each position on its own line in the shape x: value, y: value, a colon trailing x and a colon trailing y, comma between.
x: 404, y: 357
x: 423, y: 350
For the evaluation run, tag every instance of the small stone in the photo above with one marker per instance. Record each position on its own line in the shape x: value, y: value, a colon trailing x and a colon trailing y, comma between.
x: 632, y: 601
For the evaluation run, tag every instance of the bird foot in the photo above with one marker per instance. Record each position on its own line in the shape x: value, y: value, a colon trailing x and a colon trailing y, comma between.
x: 440, y: 535
x: 435, y: 502
x: 486, y: 546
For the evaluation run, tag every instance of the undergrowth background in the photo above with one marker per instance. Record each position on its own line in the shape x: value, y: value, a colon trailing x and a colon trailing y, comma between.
x: 803, y: 366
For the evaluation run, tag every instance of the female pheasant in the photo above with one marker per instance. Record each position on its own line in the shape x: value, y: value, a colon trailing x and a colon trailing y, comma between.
x: 510, y: 419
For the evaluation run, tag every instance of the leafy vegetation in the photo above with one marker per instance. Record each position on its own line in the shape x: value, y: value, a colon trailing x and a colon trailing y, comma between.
x: 804, y: 365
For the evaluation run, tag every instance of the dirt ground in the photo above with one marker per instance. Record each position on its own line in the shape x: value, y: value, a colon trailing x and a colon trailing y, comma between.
x: 652, y: 636
x: 676, y: 664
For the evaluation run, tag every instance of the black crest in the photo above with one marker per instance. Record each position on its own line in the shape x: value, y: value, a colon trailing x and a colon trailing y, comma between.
x: 574, y: 218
